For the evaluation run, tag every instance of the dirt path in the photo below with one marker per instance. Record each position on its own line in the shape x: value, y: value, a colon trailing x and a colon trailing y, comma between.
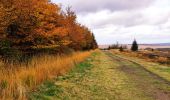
x: 151, y: 84
x: 105, y: 77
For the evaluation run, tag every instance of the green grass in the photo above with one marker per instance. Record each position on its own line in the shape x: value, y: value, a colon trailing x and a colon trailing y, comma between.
x: 163, y: 69
x: 104, y: 76
x: 51, y: 89
x: 46, y: 91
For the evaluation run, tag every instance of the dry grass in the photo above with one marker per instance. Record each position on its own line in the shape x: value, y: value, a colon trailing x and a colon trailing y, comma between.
x: 15, y: 83
x: 150, y: 56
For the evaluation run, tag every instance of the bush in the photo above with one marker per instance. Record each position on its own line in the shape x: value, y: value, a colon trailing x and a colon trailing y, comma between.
x: 5, y: 47
x: 162, y: 60
x: 8, y: 53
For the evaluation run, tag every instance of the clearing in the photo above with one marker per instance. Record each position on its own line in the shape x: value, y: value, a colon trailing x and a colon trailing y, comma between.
x: 106, y: 76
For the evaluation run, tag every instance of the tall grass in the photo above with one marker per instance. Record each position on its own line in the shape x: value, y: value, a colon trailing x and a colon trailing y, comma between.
x: 17, y: 80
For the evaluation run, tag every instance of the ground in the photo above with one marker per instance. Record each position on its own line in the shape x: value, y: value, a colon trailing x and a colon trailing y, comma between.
x: 106, y: 76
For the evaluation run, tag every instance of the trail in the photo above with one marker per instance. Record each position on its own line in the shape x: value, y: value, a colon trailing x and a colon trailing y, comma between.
x: 145, y: 81
x: 105, y: 76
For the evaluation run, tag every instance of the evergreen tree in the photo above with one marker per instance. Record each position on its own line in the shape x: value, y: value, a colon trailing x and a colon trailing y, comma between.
x: 121, y: 49
x: 134, y: 46
x: 109, y: 48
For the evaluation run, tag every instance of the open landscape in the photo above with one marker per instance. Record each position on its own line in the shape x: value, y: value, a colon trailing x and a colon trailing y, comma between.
x: 109, y: 75
x: 84, y: 50
x: 145, y: 46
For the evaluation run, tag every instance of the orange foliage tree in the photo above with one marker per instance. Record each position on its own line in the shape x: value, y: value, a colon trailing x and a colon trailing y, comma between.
x: 30, y: 24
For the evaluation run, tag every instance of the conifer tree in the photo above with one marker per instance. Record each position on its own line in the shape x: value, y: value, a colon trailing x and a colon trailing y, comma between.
x: 121, y: 48
x: 134, y: 46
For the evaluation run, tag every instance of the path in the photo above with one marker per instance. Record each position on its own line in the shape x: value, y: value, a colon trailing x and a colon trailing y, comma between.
x: 105, y: 76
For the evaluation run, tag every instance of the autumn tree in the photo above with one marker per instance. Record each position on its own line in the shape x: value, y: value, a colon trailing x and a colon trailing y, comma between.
x: 27, y: 24
x: 74, y: 30
x: 19, y: 19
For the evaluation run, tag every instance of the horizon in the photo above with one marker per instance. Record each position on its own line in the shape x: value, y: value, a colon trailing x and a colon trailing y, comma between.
x: 85, y: 49
x: 138, y: 43
x: 148, y: 21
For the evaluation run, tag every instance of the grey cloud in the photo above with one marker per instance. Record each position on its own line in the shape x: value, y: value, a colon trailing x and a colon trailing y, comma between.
x: 122, y: 20
x: 125, y: 19
x: 96, y: 5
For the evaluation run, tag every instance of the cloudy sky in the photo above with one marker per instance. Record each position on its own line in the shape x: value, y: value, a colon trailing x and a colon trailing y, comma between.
x: 123, y: 20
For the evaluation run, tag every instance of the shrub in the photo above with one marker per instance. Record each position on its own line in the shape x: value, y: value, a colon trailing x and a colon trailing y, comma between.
x: 162, y: 60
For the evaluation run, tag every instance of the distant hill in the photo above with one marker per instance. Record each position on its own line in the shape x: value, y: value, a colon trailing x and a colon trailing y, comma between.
x: 143, y: 46
x: 158, y: 44
x: 155, y: 46
x: 103, y: 46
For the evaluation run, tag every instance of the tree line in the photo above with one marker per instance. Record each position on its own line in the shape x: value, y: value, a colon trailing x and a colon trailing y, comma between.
x: 134, y: 46
x: 27, y: 25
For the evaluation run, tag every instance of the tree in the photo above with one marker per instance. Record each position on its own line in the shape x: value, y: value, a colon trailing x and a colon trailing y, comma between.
x: 94, y: 42
x: 28, y: 24
x: 26, y: 20
x: 134, y: 46
x: 121, y: 49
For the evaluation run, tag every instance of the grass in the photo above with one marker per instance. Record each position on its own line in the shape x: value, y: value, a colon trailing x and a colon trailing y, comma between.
x: 102, y: 77
x: 152, y: 56
x: 17, y: 80
x: 162, y: 71
x: 145, y: 83
x: 50, y: 90
x: 96, y: 76
x: 45, y: 91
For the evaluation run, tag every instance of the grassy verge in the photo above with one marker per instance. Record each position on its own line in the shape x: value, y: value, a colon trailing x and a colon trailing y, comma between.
x: 99, y: 77
x: 15, y: 83
x: 54, y: 89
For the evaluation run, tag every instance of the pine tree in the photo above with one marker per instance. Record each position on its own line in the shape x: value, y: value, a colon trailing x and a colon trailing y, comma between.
x: 121, y: 48
x: 134, y: 46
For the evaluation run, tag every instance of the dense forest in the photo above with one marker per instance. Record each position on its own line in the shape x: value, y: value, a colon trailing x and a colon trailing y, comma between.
x: 40, y: 25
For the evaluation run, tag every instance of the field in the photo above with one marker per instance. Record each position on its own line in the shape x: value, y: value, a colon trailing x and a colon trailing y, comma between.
x: 108, y: 75
x: 161, y: 56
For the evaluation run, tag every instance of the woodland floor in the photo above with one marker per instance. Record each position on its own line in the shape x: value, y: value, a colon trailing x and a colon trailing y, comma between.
x: 106, y: 76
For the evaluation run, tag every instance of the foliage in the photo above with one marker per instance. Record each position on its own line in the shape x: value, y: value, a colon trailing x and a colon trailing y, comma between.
x: 41, y: 23
x: 121, y: 49
x: 8, y: 53
x: 134, y: 46
x: 117, y: 46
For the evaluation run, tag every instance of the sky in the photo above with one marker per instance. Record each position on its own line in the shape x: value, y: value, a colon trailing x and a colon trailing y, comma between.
x: 147, y: 21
